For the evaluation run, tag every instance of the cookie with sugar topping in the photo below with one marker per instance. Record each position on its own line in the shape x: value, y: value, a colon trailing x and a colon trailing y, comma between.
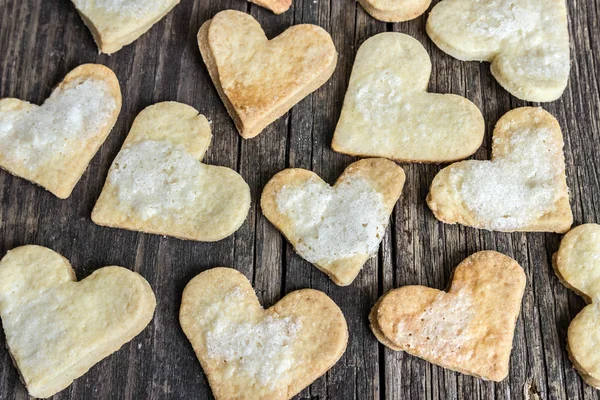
x: 116, y: 23
x: 469, y: 328
x: 52, y: 144
x: 388, y: 112
x: 336, y: 228
x: 395, y: 10
x: 523, y: 187
x: 251, y: 353
x: 258, y: 79
x: 57, y: 328
x: 577, y: 265
x: 157, y: 183
x: 527, y: 41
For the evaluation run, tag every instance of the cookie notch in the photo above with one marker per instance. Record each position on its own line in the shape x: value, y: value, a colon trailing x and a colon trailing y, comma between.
x: 523, y: 188
x: 157, y: 183
x: 248, y: 352
x: 52, y: 145
x: 576, y: 266
x: 56, y: 327
x: 258, y: 79
x: 469, y: 328
x: 387, y: 111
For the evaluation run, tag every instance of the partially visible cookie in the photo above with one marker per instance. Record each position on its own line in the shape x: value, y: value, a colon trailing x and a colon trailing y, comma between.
x: 258, y: 79
x: 523, y: 187
x: 336, y: 228
x: 395, y: 10
x: 577, y: 265
x: 157, y: 183
x: 527, y: 41
x: 57, y: 328
x: 52, y: 144
x: 116, y: 23
x: 469, y: 328
x: 388, y: 112
x: 251, y: 353
x: 277, y: 6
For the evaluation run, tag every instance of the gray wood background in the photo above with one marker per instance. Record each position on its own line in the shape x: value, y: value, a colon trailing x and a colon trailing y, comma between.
x: 41, y: 40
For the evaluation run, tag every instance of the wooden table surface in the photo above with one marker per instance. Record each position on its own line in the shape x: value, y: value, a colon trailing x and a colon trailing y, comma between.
x: 41, y: 40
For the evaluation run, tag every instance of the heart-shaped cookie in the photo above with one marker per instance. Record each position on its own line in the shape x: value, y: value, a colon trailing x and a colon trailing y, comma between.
x: 52, y: 144
x: 57, y: 328
x: 277, y: 6
x: 336, y: 228
x: 577, y: 264
x: 258, y: 79
x: 469, y: 328
x: 523, y: 188
x: 527, y: 41
x: 395, y: 10
x: 250, y: 353
x: 116, y: 23
x: 387, y: 111
x: 157, y: 183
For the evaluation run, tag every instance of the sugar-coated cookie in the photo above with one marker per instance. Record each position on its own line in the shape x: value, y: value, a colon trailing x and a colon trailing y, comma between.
x: 395, y: 10
x: 469, y: 328
x: 523, y: 187
x: 251, y: 353
x: 116, y: 23
x: 277, y: 6
x: 388, y: 113
x: 527, y: 41
x: 57, y: 328
x: 157, y: 183
x: 336, y: 228
x: 577, y: 264
x: 52, y: 144
x: 258, y: 79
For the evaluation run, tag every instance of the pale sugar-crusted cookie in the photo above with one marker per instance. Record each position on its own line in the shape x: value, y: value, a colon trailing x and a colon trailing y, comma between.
x: 577, y: 265
x: 157, y: 183
x: 469, y: 328
x: 251, y: 353
x: 395, y: 10
x: 52, y: 144
x: 116, y: 23
x: 258, y: 79
x: 336, y: 228
x: 527, y: 41
x: 57, y: 328
x: 388, y: 112
x: 523, y: 187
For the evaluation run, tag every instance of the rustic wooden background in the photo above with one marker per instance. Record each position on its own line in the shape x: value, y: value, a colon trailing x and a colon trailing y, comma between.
x: 41, y: 40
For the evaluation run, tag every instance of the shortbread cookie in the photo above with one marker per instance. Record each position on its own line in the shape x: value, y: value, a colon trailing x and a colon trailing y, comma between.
x: 157, y: 183
x: 259, y: 80
x: 395, y: 10
x: 527, y: 41
x: 336, y: 228
x: 577, y: 264
x: 250, y: 353
x: 57, y: 328
x: 277, y: 6
x: 52, y: 144
x: 116, y: 23
x: 387, y: 111
x: 523, y: 188
x: 468, y: 329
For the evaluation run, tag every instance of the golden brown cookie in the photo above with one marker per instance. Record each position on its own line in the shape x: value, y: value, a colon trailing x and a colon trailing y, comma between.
x: 469, y: 328
x: 395, y: 10
x: 52, y: 144
x: 277, y: 6
x: 336, y: 228
x: 258, y: 79
x: 523, y: 187
x: 577, y: 265
x: 251, y: 353
x: 57, y: 328
x: 157, y: 183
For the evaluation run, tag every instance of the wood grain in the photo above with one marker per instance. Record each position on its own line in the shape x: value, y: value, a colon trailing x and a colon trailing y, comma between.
x: 41, y: 40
